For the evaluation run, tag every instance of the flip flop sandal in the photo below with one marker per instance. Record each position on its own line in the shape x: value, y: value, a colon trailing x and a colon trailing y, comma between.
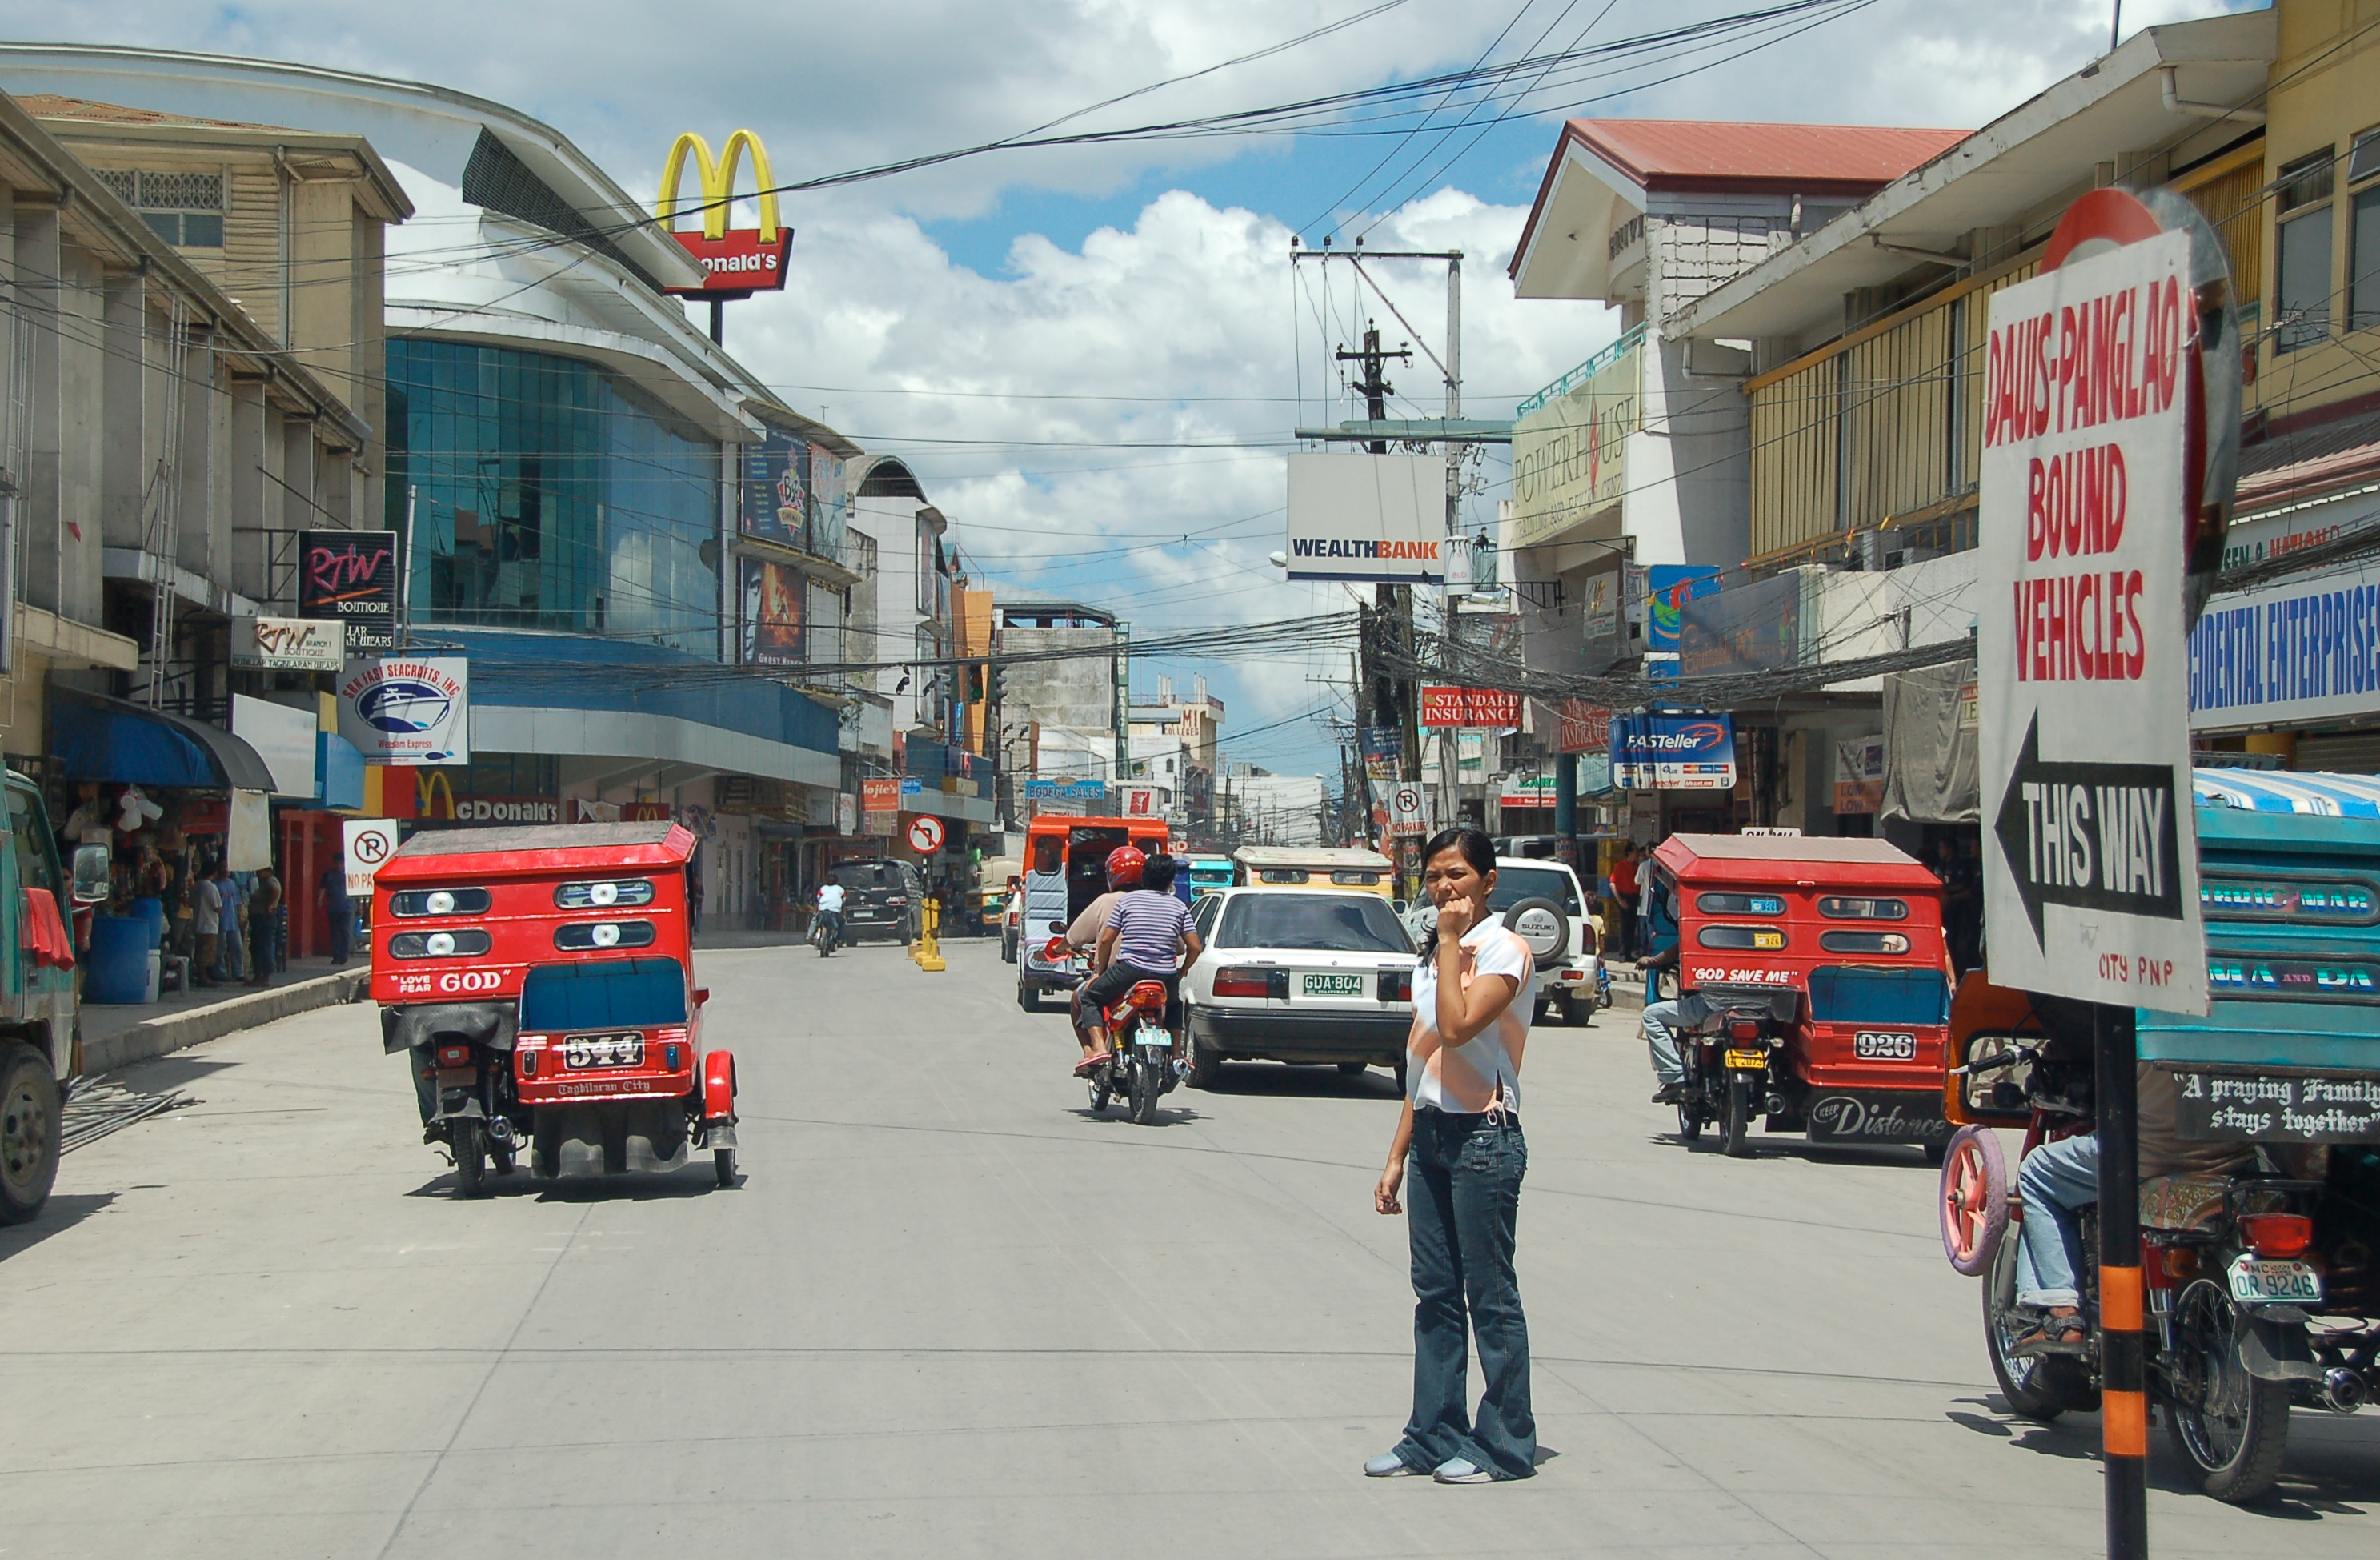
x: 1090, y: 1064
x: 2055, y: 1334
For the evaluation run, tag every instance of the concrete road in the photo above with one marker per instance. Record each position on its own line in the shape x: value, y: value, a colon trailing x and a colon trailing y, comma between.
x: 947, y: 1313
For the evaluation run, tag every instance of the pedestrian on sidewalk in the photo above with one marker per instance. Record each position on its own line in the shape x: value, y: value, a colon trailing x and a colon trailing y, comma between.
x: 1627, y: 886
x: 341, y: 911
x: 235, y: 925
x: 206, y: 899
x: 264, y: 926
x: 1459, y: 1138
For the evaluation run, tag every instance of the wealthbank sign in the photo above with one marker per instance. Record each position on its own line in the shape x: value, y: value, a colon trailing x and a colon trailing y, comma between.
x: 1366, y: 517
x: 2300, y: 651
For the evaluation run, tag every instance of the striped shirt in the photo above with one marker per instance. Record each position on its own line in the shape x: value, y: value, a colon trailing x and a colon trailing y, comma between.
x: 1148, y: 928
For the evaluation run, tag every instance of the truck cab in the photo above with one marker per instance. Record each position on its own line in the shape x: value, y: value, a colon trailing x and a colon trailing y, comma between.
x: 38, y: 1060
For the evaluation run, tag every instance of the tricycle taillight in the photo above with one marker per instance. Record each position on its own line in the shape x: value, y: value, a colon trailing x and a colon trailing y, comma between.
x: 454, y: 1056
x: 1743, y: 1029
x: 672, y: 1056
x: 527, y: 1063
x: 2278, y: 1235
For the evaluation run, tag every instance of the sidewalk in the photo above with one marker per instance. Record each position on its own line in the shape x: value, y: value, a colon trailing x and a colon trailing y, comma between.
x: 116, y: 1034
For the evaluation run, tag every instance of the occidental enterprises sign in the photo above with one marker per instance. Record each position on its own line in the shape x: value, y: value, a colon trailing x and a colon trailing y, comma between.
x: 2306, y: 651
x: 1672, y: 753
x: 408, y: 710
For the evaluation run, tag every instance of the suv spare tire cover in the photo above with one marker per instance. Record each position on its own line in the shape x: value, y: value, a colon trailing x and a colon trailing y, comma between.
x: 1541, y: 924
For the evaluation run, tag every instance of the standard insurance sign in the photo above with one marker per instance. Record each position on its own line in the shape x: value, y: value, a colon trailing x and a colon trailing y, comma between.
x: 2090, y: 890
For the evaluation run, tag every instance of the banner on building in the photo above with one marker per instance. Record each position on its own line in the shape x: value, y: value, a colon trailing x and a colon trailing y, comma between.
x: 1594, y: 772
x: 1603, y: 629
x: 350, y: 576
x: 1569, y: 448
x: 1066, y: 791
x: 289, y: 644
x: 1583, y: 727
x: 1138, y: 801
x: 2308, y: 651
x: 772, y: 613
x: 1754, y: 627
x: 1859, y: 775
x: 1672, y: 753
x: 1384, y: 750
x: 407, y: 709
x: 1669, y: 587
x: 1524, y: 789
x: 1486, y: 708
x: 1366, y: 517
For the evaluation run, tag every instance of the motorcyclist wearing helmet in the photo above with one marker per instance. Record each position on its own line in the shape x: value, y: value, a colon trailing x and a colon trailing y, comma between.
x: 1147, y: 937
x: 1124, y: 865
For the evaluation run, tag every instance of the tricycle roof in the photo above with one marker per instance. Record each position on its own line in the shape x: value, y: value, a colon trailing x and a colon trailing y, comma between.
x: 1774, y: 859
x: 544, y: 847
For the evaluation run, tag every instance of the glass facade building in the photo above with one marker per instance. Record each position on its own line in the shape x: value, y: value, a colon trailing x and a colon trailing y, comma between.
x: 552, y: 494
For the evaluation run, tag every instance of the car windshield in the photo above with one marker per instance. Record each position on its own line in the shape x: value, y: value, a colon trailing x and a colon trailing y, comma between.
x: 867, y: 875
x: 1516, y: 883
x: 1328, y: 923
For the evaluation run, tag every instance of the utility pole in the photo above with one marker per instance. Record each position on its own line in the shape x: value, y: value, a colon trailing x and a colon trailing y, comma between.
x: 1386, y: 697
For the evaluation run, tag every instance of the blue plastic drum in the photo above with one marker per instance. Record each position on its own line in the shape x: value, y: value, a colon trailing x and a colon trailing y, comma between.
x: 118, y: 961
x: 154, y: 912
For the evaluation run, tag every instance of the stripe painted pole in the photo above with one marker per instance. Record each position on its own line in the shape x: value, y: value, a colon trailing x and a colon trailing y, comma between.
x: 2124, y: 1399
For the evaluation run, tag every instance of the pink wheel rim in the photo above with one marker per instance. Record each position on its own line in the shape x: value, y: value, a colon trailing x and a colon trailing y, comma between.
x: 1974, y: 1199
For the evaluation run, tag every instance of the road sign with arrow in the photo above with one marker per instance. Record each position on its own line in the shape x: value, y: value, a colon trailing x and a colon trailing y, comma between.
x: 2091, y: 870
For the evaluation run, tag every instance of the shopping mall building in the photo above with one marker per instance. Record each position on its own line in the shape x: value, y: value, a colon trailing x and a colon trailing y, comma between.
x: 606, y: 510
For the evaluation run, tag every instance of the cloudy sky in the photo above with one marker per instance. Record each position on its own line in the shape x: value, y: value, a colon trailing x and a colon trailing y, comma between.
x: 1053, y: 336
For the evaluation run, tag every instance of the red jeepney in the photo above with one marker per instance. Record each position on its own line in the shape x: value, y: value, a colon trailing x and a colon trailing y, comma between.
x: 541, y: 982
x: 1815, y: 986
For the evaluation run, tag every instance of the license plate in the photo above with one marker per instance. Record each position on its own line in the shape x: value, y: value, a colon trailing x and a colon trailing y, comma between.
x: 1871, y: 1046
x: 582, y: 1051
x: 1748, y: 1061
x: 1333, y: 985
x: 2255, y: 1280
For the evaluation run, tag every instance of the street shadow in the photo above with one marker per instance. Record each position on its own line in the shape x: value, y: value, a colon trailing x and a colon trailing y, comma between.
x: 162, y: 1075
x: 1116, y: 1114
x: 695, y: 1178
x: 59, y: 1214
x: 1282, y: 1080
x: 1780, y: 1146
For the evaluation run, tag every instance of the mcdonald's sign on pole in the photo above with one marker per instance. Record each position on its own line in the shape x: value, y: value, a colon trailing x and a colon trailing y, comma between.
x: 737, y: 262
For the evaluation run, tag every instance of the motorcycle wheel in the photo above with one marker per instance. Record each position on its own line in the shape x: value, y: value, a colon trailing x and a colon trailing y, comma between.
x: 1148, y: 1084
x: 470, y: 1157
x: 1975, y: 1200
x: 2040, y: 1387
x: 503, y: 1156
x: 1690, y: 1122
x: 1735, y: 1131
x: 723, y: 1161
x: 2230, y: 1429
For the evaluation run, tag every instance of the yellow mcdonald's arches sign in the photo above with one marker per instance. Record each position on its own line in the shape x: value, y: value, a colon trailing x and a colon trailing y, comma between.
x: 428, y: 784
x: 738, y: 261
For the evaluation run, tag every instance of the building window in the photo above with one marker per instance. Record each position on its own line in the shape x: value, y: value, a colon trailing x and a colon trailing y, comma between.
x: 2363, y: 234
x: 184, y: 209
x: 554, y: 495
x: 2302, y: 304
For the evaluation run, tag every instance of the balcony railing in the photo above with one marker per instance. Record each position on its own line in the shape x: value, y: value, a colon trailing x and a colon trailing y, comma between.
x: 1628, y: 341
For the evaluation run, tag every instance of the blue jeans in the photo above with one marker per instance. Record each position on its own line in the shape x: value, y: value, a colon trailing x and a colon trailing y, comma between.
x: 1463, y: 1189
x: 1661, y: 1019
x: 2056, y: 1179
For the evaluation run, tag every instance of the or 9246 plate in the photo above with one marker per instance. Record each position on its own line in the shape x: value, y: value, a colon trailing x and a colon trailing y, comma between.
x: 2259, y: 1280
x: 1877, y: 1045
x: 580, y: 1052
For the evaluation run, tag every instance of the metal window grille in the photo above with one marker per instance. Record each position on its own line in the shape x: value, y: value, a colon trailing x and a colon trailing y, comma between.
x: 153, y: 191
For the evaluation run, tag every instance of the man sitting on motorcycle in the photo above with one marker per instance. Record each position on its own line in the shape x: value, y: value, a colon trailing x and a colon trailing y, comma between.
x: 2060, y: 1179
x: 1124, y: 868
x: 1662, y: 1020
x: 830, y: 908
x: 1144, y: 932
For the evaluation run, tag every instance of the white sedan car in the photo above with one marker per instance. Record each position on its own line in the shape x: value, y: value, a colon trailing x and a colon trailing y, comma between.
x: 1301, y: 976
x: 1541, y: 901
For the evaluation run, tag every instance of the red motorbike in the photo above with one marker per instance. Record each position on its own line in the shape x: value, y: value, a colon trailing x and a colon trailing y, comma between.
x: 1140, y: 1067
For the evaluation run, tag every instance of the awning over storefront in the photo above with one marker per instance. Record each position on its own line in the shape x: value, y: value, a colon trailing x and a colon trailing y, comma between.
x: 2263, y: 791
x: 95, y: 738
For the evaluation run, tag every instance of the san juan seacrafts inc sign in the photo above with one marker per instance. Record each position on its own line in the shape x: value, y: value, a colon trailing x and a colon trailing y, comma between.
x: 407, y: 709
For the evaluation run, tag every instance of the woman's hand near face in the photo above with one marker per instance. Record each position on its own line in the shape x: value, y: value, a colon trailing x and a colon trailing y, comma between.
x: 1457, y: 916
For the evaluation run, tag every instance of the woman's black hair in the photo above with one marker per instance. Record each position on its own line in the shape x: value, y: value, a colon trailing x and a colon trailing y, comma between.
x: 1477, y: 849
x: 1157, y: 874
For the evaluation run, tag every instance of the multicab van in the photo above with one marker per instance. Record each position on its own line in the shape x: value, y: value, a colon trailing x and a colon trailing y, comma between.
x: 1270, y: 866
x: 1065, y: 869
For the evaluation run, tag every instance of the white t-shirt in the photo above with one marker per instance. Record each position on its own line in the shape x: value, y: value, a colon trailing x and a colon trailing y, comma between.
x: 830, y: 898
x: 1466, y: 1079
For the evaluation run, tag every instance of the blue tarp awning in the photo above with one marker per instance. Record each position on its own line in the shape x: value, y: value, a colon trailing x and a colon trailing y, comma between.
x: 95, y: 738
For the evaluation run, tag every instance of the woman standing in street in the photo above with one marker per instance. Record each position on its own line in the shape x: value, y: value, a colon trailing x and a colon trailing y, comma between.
x: 1459, y: 1137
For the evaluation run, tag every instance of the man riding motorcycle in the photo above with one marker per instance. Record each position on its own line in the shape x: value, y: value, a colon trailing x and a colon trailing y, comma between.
x: 2062, y: 1178
x: 830, y: 908
x: 1147, y: 937
x: 1124, y: 869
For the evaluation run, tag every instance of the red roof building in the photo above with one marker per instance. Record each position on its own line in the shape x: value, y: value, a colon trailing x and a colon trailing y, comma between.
x: 1741, y: 182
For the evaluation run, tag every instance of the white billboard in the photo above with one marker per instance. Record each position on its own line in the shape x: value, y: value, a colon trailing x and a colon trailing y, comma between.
x: 2091, y: 866
x: 407, y: 709
x: 1366, y: 517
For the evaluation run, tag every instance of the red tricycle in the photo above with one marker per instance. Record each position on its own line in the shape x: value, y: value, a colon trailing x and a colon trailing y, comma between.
x: 1814, y: 989
x: 541, y: 982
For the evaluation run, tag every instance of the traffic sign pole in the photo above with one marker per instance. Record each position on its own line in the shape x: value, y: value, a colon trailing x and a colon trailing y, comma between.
x: 2123, y: 1396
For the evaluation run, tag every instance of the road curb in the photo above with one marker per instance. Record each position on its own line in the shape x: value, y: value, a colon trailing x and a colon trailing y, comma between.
x: 173, y: 1031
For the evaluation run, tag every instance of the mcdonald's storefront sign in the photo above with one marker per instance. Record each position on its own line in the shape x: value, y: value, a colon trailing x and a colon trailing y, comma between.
x: 734, y: 261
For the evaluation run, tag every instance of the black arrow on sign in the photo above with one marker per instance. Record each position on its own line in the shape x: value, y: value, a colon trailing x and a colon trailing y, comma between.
x: 2102, y: 836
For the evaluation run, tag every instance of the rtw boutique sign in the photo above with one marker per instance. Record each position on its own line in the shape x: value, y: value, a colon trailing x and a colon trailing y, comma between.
x: 736, y: 262
x: 350, y: 577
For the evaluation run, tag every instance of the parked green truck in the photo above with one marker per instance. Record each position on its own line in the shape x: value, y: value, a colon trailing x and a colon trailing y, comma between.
x: 37, y: 1005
